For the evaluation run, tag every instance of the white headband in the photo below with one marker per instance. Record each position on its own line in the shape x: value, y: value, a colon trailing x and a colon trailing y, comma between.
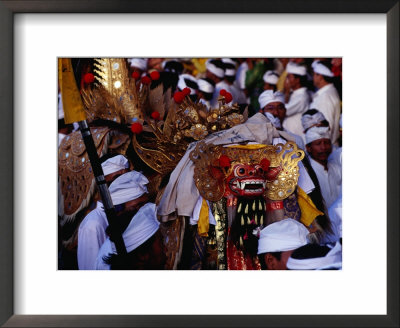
x: 316, y: 133
x: 331, y: 260
x: 228, y: 61
x: 114, y: 164
x: 271, y: 77
x: 127, y: 187
x: 230, y: 72
x: 205, y: 86
x: 292, y: 68
x: 268, y: 96
x: 138, y: 63
x: 219, y: 72
x: 320, y: 68
x: 308, y: 120
x: 142, y: 226
x: 284, y: 235
x: 182, y: 83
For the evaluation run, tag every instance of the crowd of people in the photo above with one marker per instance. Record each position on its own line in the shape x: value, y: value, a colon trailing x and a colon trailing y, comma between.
x: 299, y: 99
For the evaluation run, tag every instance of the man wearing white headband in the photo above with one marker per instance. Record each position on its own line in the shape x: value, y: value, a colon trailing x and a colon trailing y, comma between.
x: 228, y: 84
x: 205, y: 91
x: 215, y: 70
x: 138, y: 64
x: 316, y: 257
x: 329, y: 174
x: 297, y: 98
x: 143, y: 242
x: 188, y: 81
x: 128, y: 192
x: 270, y: 80
x: 277, y: 242
x: 326, y: 99
x: 272, y: 104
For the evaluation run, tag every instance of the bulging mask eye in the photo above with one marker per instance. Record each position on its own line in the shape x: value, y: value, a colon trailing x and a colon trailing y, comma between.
x: 240, y: 171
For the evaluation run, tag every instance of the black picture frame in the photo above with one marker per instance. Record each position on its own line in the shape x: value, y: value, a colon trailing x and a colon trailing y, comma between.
x: 7, y: 11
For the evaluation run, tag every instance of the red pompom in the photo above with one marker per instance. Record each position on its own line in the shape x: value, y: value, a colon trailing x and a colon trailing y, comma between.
x: 228, y: 97
x: 186, y: 91
x: 178, y: 97
x: 265, y: 164
x: 136, y: 128
x: 155, y: 75
x: 222, y: 92
x: 146, y: 80
x: 135, y: 75
x: 155, y: 115
x: 88, y: 78
x: 224, y: 161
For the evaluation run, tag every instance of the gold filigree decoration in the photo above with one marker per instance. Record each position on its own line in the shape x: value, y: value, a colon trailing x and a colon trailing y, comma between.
x: 284, y: 156
x: 285, y: 183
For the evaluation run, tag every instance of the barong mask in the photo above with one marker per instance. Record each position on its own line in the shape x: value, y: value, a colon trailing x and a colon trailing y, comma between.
x: 246, y: 170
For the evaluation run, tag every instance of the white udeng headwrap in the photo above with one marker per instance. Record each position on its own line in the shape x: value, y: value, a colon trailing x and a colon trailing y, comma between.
x: 332, y: 260
x: 127, y: 187
x: 317, y: 132
x: 205, y: 86
x: 219, y: 72
x: 284, y: 235
x: 182, y: 83
x: 142, y: 226
x: 271, y: 77
x: 308, y: 120
x: 114, y: 164
x: 320, y: 68
x: 268, y: 96
x: 293, y: 68
x: 140, y: 63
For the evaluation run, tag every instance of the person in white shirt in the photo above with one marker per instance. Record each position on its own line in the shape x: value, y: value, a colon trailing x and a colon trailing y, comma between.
x: 92, y: 231
x: 215, y: 70
x: 270, y: 80
x: 238, y: 96
x: 326, y: 99
x: 297, y: 98
x: 329, y: 174
x: 272, y: 104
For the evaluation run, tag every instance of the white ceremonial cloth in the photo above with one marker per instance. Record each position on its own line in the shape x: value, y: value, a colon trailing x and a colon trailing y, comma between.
x: 327, y: 101
x: 91, y: 235
x: 298, y: 104
x: 181, y: 194
x: 196, y: 213
x: 330, y: 181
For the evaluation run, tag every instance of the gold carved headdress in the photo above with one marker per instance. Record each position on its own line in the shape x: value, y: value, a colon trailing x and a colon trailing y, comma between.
x: 118, y: 98
x: 284, y: 156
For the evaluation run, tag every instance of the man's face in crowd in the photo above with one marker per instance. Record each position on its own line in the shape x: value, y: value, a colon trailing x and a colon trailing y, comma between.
x: 277, y: 109
x: 320, y: 149
x: 292, y: 80
x: 273, y: 263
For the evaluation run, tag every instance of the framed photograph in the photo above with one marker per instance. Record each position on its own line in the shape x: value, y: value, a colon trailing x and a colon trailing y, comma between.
x: 34, y: 34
